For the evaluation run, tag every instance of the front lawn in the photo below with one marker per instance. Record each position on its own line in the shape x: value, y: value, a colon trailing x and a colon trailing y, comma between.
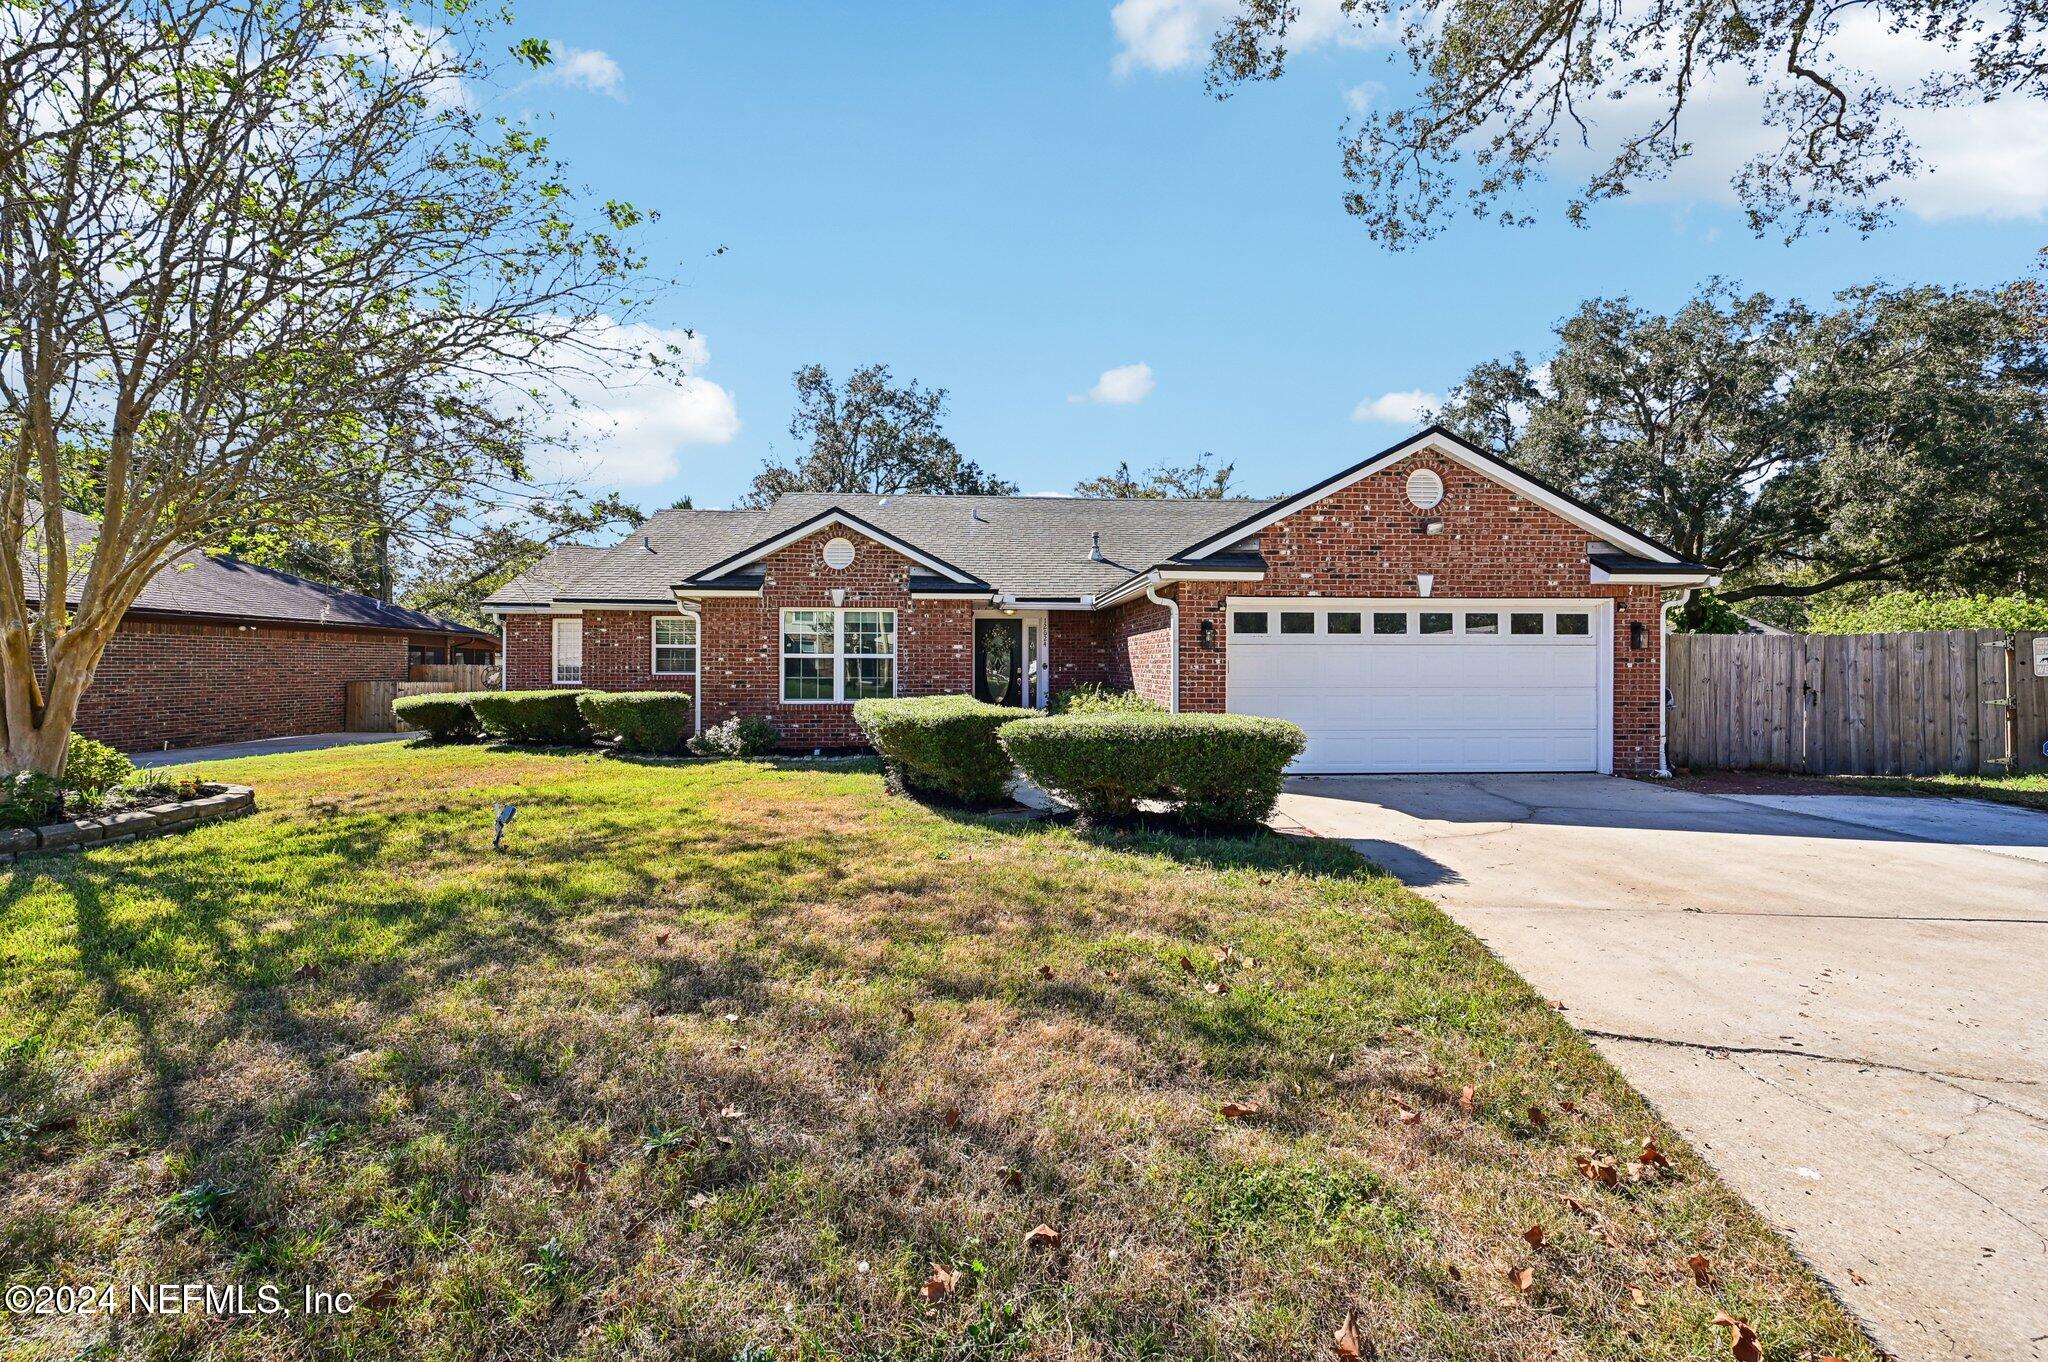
x: 745, y: 1062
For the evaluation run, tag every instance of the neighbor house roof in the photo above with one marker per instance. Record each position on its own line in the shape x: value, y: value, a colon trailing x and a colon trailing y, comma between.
x: 203, y: 585
x: 1027, y: 548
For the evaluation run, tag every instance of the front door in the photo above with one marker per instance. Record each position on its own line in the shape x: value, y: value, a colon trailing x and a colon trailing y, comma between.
x: 999, y: 661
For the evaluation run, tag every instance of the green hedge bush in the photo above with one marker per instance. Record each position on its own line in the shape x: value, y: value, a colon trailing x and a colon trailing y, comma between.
x: 642, y: 720
x: 943, y: 744
x: 93, y: 769
x: 740, y: 737
x: 549, y: 716
x: 444, y: 717
x: 1213, y: 768
x: 1091, y: 697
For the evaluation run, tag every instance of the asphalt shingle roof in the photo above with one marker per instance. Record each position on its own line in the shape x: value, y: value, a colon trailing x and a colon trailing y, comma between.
x: 203, y: 584
x: 1032, y: 546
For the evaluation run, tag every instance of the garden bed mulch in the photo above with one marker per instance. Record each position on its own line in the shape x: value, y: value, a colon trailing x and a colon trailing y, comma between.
x: 210, y: 805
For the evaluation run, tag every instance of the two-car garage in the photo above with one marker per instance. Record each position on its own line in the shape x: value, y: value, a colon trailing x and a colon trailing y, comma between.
x: 1428, y: 685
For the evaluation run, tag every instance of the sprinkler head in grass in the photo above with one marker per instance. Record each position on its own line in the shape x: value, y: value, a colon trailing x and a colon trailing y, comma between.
x: 506, y: 813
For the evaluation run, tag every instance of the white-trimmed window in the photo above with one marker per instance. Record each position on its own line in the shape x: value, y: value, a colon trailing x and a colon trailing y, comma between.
x: 568, y: 652
x: 675, y: 645
x: 838, y: 655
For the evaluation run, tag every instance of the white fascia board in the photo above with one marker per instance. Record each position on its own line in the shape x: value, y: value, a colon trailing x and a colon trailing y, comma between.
x: 707, y: 593
x: 1602, y: 576
x: 978, y: 598
x: 845, y: 520
x: 1137, y: 585
x: 1429, y: 441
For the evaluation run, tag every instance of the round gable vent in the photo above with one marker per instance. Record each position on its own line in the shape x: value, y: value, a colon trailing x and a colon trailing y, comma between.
x: 1425, y: 488
x: 839, y: 554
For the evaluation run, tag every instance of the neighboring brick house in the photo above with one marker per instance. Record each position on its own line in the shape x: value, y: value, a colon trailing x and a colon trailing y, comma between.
x: 1429, y: 609
x: 218, y: 650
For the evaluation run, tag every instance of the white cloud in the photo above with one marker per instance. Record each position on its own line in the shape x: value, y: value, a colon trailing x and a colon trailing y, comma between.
x: 1168, y: 35
x: 589, y: 69
x: 1402, y: 409
x: 1121, y: 386
x: 1983, y: 161
x: 624, y: 424
x: 1360, y: 97
x: 421, y: 52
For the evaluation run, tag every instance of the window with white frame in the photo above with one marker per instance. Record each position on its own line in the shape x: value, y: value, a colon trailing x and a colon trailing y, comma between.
x: 675, y: 646
x: 568, y: 652
x: 840, y: 655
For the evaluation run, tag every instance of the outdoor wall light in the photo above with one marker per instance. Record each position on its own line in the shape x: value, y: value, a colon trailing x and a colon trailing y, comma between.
x: 1636, y: 634
x: 1205, y: 635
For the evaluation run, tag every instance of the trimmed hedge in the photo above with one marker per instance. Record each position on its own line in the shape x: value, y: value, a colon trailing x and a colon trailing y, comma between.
x: 943, y: 744
x: 444, y: 716
x: 642, y: 720
x: 549, y: 716
x: 1214, y: 768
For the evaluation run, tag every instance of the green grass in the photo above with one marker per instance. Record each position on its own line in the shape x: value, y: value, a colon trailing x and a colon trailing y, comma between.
x: 2030, y: 790
x: 715, y: 1061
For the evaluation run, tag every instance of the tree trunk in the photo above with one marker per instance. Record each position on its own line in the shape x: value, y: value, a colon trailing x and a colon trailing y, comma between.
x: 39, y: 718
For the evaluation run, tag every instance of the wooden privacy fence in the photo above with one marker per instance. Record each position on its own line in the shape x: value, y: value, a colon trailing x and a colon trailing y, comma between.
x: 368, y: 704
x: 465, y: 675
x: 1855, y: 704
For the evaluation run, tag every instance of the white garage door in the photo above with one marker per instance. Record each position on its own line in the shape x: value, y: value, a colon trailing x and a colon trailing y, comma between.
x: 1427, y: 685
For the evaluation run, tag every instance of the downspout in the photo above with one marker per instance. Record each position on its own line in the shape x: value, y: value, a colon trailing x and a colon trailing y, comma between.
x: 695, y: 610
x: 504, y: 652
x: 1664, y: 679
x: 1173, y: 628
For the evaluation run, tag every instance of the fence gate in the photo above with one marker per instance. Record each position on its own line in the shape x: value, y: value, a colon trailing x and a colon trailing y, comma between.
x: 1856, y: 704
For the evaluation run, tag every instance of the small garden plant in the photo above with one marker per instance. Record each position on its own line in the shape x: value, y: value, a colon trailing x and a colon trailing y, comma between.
x: 741, y: 736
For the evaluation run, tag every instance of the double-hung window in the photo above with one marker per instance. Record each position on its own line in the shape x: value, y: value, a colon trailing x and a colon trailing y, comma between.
x: 569, y: 652
x: 675, y: 646
x: 838, y: 654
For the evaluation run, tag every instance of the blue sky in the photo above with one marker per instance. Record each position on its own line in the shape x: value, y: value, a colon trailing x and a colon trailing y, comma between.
x: 1008, y: 201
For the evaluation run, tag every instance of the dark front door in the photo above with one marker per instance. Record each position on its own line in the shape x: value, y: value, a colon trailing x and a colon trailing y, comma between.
x: 999, y: 661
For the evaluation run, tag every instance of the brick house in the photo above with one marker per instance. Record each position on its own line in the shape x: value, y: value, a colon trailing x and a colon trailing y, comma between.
x: 219, y: 650
x: 1429, y: 609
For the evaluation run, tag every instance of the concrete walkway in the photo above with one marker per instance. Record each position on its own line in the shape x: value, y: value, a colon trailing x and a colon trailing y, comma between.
x: 1841, y: 1000
x: 261, y: 747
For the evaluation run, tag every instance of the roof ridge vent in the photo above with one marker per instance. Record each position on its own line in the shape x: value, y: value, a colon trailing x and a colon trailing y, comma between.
x: 1095, y: 546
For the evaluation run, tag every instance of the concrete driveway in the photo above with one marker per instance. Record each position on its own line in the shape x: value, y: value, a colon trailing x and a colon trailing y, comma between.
x: 1842, y: 1001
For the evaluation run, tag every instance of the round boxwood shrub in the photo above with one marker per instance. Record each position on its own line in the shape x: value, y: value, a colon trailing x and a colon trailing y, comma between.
x: 743, y: 737
x: 942, y: 744
x: 548, y: 716
x: 1213, y: 768
x: 444, y: 716
x: 93, y: 769
x: 641, y: 720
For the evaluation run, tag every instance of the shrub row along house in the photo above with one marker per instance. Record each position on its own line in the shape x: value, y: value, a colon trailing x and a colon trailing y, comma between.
x: 219, y: 650
x: 1429, y: 609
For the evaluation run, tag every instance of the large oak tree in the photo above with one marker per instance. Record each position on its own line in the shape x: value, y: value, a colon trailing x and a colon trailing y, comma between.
x: 1503, y: 87
x: 1900, y: 437
x: 244, y: 243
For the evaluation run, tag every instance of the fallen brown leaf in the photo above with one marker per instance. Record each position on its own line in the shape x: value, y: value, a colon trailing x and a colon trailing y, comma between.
x: 1465, y: 1096
x: 1858, y: 1277
x: 1347, y: 1343
x: 1042, y: 1236
x: 1702, y: 1272
x: 909, y: 1017
x: 1409, y: 1115
x: 1652, y: 1156
x: 1742, y: 1340
x: 1013, y: 1178
x: 1238, y: 1111
x: 951, y: 1118
x: 1216, y: 986
x: 941, y: 1284
x: 1534, y: 1234
x: 1523, y: 1279
x: 1045, y: 971
x: 1537, y: 1118
x: 1187, y: 965
x: 1635, y: 1293
x: 1572, y: 1107
x: 1598, y: 1168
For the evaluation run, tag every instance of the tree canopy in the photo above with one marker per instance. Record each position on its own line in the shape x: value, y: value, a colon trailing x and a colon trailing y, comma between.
x: 251, y: 256
x: 1897, y: 438
x: 870, y: 435
x: 1903, y: 611
x: 1202, y: 479
x: 1504, y: 91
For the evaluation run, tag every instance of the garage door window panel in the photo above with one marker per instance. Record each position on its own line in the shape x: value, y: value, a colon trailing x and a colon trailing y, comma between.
x: 1297, y: 621
x: 1343, y: 622
x: 1248, y: 622
x: 1436, y: 622
x: 1574, y: 625
x: 1390, y: 622
x: 1482, y: 622
x: 1525, y: 622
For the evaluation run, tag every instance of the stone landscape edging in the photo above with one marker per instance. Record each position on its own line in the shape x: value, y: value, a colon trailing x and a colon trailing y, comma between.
x: 178, y: 815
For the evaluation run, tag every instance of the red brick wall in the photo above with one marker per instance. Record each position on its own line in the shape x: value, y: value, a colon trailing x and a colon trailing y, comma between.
x: 1366, y: 541
x: 187, y: 684
x: 1141, y: 651
x: 1076, y: 653
x: 740, y: 642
